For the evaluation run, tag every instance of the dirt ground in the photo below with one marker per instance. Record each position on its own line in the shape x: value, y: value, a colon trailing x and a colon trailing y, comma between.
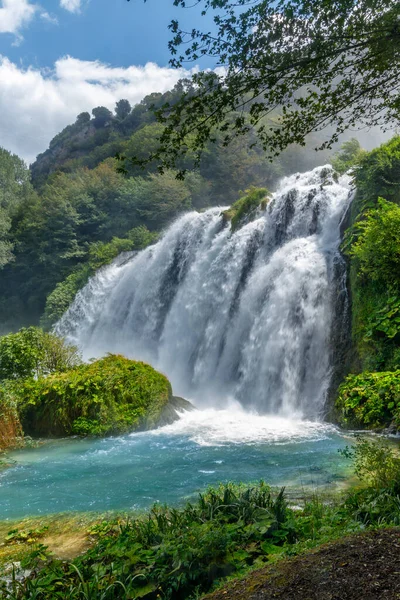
x: 361, y: 567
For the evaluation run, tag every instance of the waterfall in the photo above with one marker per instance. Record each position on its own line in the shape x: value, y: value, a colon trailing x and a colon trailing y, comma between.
x: 242, y: 315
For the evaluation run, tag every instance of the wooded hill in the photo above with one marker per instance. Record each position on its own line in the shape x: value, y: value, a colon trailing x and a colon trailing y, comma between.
x: 74, y: 212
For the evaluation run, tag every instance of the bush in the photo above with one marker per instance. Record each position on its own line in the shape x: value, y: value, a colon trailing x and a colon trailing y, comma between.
x: 109, y: 396
x: 246, y: 206
x: 370, y: 400
x: 377, y: 465
x: 376, y: 248
x: 373, y: 245
x: 31, y: 352
x: 174, y: 554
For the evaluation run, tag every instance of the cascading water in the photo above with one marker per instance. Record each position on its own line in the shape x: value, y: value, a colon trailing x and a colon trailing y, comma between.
x: 244, y: 315
x: 231, y: 317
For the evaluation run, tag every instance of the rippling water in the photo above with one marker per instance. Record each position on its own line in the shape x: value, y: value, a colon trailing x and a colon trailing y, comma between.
x: 170, y: 464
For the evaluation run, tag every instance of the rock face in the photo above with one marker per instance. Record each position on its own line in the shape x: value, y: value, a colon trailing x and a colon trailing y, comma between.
x: 170, y: 412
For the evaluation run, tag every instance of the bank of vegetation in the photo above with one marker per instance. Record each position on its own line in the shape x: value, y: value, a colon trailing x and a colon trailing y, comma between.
x: 370, y: 395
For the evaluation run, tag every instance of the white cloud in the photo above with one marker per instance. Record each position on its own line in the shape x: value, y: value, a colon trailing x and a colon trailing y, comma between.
x: 36, y: 104
x: 15, y: 14
x: 73, y: 6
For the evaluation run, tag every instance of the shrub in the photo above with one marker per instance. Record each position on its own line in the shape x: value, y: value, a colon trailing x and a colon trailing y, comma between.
x: 246, y: 206
x: 109, y: 396
x: 174, y: 554
x: 31, y: 352
x: 377, y: 465
x: 370, y: 400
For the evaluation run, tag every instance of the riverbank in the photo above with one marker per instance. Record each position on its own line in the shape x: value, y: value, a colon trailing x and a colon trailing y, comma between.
x: 228, y: 532
x: 360, y: 567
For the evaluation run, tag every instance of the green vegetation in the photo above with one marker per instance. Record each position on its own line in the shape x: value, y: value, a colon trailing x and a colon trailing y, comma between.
x: 32, y: 352
x: 246, y: 206
x: 348, y: 157
x: 370, y: 400
x: 109, y: 396
x: 99, y: 254
x: 182, y: 553
x: 289, y: 69
x: 45, y: 387
x: 373, y: 244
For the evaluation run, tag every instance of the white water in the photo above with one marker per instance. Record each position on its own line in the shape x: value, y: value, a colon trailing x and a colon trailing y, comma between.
x: 244, y: 316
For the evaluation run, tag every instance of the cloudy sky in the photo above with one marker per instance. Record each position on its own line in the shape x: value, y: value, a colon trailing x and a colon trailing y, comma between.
x: 61, y: 57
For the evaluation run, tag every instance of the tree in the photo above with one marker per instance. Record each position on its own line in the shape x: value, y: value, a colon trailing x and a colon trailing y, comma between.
x: 31, y: 352
x: 122, y: 109
x: 297, y: 65
x: 102, y: 116
x: 348, y: 156
x: 83, y: 119
x: 14, y: 188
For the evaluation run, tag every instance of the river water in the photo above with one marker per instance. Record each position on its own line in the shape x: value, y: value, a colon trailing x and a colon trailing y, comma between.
x: 171, y: 464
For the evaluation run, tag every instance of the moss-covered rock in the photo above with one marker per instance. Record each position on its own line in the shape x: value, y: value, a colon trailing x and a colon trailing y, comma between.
x: 244, y: 208
x: 112, y: 395
x: 370, y: 400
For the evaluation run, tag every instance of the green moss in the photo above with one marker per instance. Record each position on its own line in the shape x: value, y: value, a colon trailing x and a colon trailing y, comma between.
x: 370, y: 400
x: 109, y: 396
x: 246, y: 206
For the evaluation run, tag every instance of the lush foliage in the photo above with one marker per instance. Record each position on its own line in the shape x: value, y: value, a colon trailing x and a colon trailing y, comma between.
x: 335, y: 63
x: 373, y: 246
x: 175, y: 553
x: 370, y: 400
x: 109, y: 396
x: 246, y: 206
x: 31, y: 352
x: 377, y: 465
x: 376, y: 248
x: 14, y: 191
x: 348, y: 156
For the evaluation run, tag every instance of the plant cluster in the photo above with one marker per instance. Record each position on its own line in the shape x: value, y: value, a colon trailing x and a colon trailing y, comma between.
x: 372, y: 244
x: 370, y: 400
x: 246, y: 206
x: 109, y: 396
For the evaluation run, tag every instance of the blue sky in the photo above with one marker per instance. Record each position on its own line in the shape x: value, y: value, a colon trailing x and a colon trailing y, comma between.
x: 60, y: 57
x: 114, y: 31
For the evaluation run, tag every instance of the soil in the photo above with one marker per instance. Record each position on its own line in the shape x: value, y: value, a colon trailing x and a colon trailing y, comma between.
x: 361, y: 567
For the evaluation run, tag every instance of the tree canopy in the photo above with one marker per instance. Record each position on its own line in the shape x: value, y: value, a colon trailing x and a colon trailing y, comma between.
x: 287, y: 68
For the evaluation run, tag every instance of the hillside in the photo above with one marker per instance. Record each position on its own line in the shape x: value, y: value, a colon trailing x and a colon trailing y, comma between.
x: 75, y: 212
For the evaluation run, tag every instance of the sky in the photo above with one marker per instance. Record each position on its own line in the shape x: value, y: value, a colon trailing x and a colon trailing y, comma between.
x: 61, y: 57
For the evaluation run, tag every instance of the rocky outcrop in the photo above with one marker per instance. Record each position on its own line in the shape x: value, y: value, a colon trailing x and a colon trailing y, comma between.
x: 170, y: 412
